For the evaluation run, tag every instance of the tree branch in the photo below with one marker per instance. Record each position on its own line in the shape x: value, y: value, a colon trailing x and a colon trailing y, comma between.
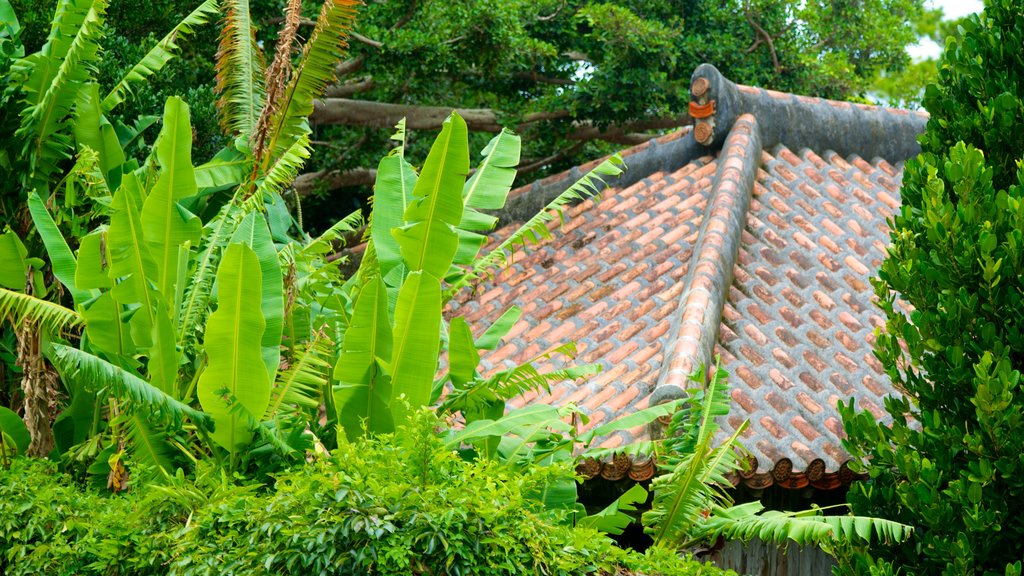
x: 349, y: 66
x: 385, y: 115
x: 334, y: 179
x: 761, y: 33
x: 351, y: 87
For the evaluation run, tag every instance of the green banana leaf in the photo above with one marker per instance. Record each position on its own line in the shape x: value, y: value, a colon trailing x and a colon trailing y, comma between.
x: 491, y: 337
x: 428, y: 241
x: 132, y: 267
x: 233, y: 345
x: 55, y: 75
x: 364, y: 389
x: 92, y: 129
x: 416, y: 342
x: 107, y: 331
x: 164, y: 356
x: 613, y: 519
x: 49, y: 315
x: 227, y: 168
x: 462, y: 352
x: 62, y: 261
x: 92, y: 262
x: 158, y: 56
x: 392, y: 193
x: 487, y: 188
x: 13, y: 433
x: 15, y: 263
x: 166, y: 224
x: 532, y: 415
x: 254, y: 232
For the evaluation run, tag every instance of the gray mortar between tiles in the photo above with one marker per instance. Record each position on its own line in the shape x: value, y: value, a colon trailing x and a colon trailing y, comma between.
x: 817, y: 421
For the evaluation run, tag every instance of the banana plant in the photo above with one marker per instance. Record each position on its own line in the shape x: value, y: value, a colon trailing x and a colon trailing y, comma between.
x: 174, y: 310
x: 424, y: 242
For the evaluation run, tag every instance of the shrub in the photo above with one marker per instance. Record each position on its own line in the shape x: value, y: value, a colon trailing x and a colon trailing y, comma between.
x: 398, y: 504
x: 950, y: 464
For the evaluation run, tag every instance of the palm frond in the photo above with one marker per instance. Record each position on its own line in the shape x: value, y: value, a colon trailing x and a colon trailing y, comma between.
x: 48, y: 315
x: 305, y: 380
x: 92, y: 372
x: 147, y: 445
x: 158, y: 56
x: 323, y: 243
x: 750, y: 520
x: 278, y: 75
x: 240, y: 71
x: 536, y: 229
x: 53, y: 78
x: 282, y: 172
x: 315, y: 73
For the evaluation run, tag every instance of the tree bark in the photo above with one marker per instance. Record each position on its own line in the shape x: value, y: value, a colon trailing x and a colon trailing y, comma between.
x: 334, y: 179
x: 385, y: 115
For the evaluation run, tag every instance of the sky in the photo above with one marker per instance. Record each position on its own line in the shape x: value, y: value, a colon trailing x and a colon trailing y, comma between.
x: 950, y: 9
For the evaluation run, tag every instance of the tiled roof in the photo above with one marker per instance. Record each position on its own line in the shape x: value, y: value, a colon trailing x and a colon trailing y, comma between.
x: 712, y: 245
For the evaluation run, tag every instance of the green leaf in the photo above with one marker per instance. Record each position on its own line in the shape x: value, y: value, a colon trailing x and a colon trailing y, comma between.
x: 105, y: 328
x: 392, y: 193
x: 416, y: 341
x: 159, y: 55
x: 12, y: 429
x: 233, y: 345
x: 166, y: 224
x: 13, y: 268
x: 55, y: 75
x: 613, y: 519
x: 532, y: 415
x: 428, y: 242
x: 93, y: 268
x: 49, y: 315
x: 364, y: 390
x: 462, y: 353
x: 227, y: 168
x: 304, y: 380
x: 240, y: 71
x: 131, y: 265
x: 92, y: 373
x: 491, y: 337
x: 61, y: 259
x: 632, y: 420
x: 92, y: 129
x: 254, y: 232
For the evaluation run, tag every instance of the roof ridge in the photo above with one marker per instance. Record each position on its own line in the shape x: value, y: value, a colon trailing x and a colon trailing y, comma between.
x: 695, y: 330
x: 801, y: 121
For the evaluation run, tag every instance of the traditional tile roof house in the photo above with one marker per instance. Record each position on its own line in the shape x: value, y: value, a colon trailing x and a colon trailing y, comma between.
x: 752, y: 235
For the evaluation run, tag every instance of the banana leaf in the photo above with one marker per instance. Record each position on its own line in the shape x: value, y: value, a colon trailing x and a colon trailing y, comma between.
x: 159, y: 55
x: 613, y: 519
x: 166, y: 224
x: 416, y: 342
x: 92, y: 129
x: 132, y: 267
x: 233, y: 345
x: 254, y: 232
x: 62, y: 261
x: 364, y: 389
x: 13, y: 433
x: 392, y: 193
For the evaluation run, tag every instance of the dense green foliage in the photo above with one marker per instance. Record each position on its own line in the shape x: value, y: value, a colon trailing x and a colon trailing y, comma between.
x: 400, y: 504
x: 950, y: 465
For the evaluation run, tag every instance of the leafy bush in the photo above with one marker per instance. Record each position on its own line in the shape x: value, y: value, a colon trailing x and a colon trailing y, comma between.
x: 950, y: 464
x: 395, y: 505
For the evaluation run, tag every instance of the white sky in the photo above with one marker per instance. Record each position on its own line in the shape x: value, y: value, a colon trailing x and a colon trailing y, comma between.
x: 950, y: 9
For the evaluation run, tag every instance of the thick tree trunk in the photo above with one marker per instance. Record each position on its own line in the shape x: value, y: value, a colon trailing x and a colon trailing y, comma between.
x: 334, y: 179
x: 385, y: 115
